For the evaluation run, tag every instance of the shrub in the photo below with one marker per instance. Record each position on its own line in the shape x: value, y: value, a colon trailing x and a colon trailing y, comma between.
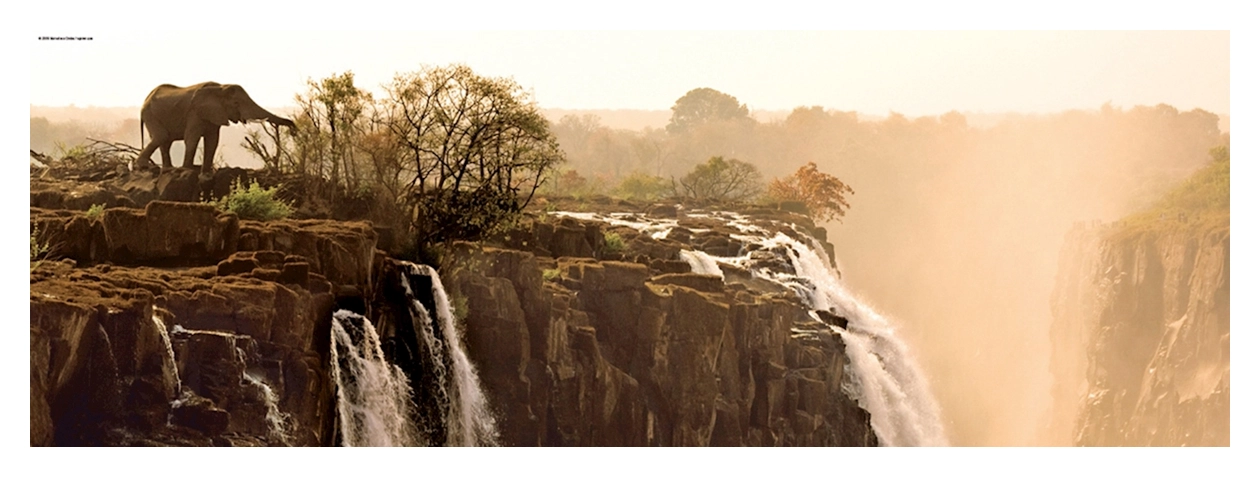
x: 255, y: 202
x: 37, y: 248
x: 613, y: 242
x: 551, y: 274
x: 95, y: 211
x: 823, y: 193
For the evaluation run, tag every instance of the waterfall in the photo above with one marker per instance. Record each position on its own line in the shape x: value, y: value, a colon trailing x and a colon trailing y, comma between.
x: 893, y: 388
x: 277, y: 421
x: 469, y: 421
x: 170, y: 351
x: 701, y: 262
x: 373, y: 397
x: 887, y: 382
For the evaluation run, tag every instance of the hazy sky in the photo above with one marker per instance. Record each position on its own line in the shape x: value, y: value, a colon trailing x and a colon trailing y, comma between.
x: 914, y: 73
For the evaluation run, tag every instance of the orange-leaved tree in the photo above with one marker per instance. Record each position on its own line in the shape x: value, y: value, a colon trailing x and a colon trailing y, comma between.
x: 823, y: 193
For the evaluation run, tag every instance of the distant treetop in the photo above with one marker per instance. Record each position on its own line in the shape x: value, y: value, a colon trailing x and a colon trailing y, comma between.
x: 704, y: 105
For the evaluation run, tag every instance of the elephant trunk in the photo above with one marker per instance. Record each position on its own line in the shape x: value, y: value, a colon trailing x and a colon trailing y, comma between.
x: 251, y: 110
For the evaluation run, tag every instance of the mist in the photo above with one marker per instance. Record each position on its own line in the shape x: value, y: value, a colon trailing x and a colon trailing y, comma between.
x: 955, y: 228
x: 958, y: 237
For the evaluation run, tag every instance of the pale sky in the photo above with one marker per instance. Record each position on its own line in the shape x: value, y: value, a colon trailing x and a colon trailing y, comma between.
x: 913, y: 73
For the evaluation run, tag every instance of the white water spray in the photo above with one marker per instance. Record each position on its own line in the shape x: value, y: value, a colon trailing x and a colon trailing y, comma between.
x: 277, y: 422
x: 169, y: 359
x: 373, y: 396
x: 701, y: 262
x: 893, y: 389
x: 469, y: 422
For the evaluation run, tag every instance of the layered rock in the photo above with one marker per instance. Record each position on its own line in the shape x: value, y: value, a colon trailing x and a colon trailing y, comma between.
x: 633, y: 353
x: 1141, y: 326
x: 181, y: 337
x: 180, y: 325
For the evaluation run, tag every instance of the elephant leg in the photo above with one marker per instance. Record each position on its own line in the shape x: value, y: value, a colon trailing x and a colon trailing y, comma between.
x: 212, y: 143
x: 191, y: 139
x: 145, y: 157
x: 166, y: 155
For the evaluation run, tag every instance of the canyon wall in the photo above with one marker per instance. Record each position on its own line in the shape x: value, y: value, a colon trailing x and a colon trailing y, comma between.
x: 1141, y: 334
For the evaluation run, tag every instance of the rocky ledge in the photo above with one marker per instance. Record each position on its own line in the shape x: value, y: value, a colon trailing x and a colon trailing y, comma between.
x: 175, y: 324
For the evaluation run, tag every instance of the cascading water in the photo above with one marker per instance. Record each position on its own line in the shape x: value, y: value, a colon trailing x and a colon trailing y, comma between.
x: 373, y: 397
x: 170, y: 350
x: 468, y: 420
x: 701, y: 262
x: 277, y: 422
x: 887, y: 381
x: 893, y: 389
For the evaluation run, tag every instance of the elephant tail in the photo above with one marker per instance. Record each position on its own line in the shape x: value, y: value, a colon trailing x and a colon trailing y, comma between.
x: 141, y: 132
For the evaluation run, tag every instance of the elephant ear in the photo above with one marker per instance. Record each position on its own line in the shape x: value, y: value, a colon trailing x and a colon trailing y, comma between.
x: 210, y: 104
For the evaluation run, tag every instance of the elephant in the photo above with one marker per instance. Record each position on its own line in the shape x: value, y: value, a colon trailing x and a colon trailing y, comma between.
x: 193, y: 113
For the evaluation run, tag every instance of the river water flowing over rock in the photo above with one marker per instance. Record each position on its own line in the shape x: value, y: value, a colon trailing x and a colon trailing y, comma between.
x: 887, y: 381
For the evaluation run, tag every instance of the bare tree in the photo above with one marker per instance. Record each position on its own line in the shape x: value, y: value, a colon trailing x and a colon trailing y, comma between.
x: 476, y: 148
x: 721, y: 179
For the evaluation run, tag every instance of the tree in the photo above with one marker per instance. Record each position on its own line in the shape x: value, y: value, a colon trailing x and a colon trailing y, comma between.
x: 720, y: 179
x: 823, y: 193
x: 477, y: 149
x: 705, y: 105
x: 329, y: 126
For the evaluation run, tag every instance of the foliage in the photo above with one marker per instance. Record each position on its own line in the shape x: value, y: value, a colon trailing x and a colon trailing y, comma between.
x: 95, y: 211
x: 1200, y: 202
x: 1207, y: 189
x: 551, y: 274
x: 476, y: 150
x: 255, y: 202
x: 459, y: 306
x: 613, y: 243
x: 823, y: 193
x: 640, y: 186
x: 38, y: 248
x: 720, y: 179
x: 445, y: 153
x: 705, y: 105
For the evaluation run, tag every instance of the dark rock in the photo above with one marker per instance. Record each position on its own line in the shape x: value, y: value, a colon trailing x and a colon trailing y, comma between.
x: 833, y: 319
x: 201, y: 414
x: 666, y: 211
x: 695, y: 281
x: 236, y: 265
x: 296, y: 273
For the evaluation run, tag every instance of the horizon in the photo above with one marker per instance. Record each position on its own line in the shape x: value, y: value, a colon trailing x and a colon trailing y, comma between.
x: 873, y: 73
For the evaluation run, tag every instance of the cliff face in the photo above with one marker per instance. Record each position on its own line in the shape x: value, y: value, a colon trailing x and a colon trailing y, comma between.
x: 179, y: 325
x: 1141, y: 336
x: 168, y: 326
x: 619, y: 354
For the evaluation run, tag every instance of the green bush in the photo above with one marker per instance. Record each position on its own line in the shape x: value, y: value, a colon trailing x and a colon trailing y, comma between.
x: 37, y: 248
x: 95, y: 211
x: 613, y: 243
x: 255, y: 202
x: 551, y: 274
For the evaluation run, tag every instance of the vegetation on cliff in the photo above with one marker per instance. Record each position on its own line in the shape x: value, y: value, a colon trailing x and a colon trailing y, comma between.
x: 1200, y: 202
x: 254, y: 202
x: 446, y: 154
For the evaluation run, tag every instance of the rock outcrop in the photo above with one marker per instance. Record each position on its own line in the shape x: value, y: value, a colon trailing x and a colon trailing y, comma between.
x: 633, y: 352
x: 185, y: 334
x: 1141, y: 329
x: 176, y: 324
